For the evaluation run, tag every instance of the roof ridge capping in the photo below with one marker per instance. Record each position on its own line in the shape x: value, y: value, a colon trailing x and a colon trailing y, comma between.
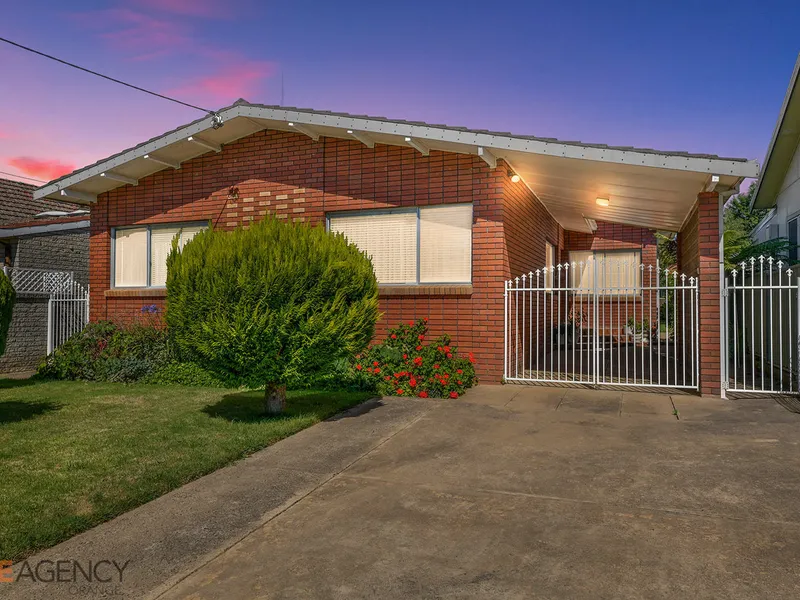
x: 461, y: 136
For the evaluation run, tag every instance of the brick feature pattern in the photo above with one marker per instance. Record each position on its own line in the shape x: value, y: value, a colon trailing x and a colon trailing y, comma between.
x: 698, y: 251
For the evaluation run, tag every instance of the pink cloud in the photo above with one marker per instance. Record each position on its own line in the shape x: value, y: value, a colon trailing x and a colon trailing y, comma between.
x: 5, y: 134
x: 41, y: 168
x: 192, y: 8
x: 236, y: 80
x: 136, y: 33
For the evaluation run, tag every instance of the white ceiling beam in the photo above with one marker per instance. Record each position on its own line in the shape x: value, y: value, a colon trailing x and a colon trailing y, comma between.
x: 204, y: 143
x: 75, y: 195
x: 418, y: 146
x: 362, y: 137
x: 489, y: 158
x: 121, y: 178
x: 161, y: 161
x: 305, y: 130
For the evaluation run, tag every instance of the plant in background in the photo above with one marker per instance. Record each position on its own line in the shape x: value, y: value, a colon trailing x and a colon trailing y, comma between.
x: 7, y: 298
x: 270, y: 304
x: 406, y: 364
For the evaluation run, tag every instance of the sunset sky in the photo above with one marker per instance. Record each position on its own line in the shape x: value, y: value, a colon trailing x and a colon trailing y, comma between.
x: 700, y: 76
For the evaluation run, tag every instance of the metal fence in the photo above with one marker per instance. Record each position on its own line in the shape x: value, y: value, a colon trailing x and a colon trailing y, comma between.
x: 67, y: 305
x: 760, y: 322
x: 603, y: 322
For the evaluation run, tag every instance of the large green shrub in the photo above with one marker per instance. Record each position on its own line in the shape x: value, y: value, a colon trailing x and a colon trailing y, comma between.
x: 7, y: 298
x: 270, y: 304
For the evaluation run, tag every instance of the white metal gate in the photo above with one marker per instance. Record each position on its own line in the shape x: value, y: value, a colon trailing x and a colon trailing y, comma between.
x: 67, y: 313
x: 761, y: 318
x: 603, y: 322
x: 67, y: 300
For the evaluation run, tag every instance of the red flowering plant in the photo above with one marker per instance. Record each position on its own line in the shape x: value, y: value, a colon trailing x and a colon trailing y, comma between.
x: 406, y: 364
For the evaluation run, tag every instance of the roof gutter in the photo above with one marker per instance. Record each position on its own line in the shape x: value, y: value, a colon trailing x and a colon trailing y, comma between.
x: 39, y: 229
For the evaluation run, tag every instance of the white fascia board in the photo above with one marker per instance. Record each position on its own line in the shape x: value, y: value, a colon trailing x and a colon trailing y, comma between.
x: 419, y: 133
x: 39, y: 229
x: 124, y: 158
x: 718, y: 166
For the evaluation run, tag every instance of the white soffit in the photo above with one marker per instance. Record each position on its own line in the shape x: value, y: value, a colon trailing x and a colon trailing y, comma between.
x: 649, y: 188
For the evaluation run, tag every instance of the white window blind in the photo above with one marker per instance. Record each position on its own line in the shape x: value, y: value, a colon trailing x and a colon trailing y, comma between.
x: 549, y: 262
x: 389, y: 239
x: 445, y: 244
x: 618, y: 272
x: 160, y: 246
x: 130, y: 257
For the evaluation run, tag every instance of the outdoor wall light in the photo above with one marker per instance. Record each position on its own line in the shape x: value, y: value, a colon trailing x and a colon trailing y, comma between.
x: 602, y: 201
x: 514, y: 177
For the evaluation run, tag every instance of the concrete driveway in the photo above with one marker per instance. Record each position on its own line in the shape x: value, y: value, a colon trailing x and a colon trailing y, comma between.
x: 550, y: 493
x: 512, y: 492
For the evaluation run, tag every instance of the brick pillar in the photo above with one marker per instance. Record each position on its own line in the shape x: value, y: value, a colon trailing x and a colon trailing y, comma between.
x: 698, y: 251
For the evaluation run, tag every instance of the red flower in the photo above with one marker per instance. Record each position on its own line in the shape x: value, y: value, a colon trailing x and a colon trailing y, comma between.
x: 471, y: 357
x: 418, y: 361
x: 425, y: 319
x: 447, y: 348
x: 399, y: 391
x: 459, y: 382
x: 459, y: 371
x: 435, y: 366
x: 369, y: 370
x: 359, y: 367
x: 387, y: 378
x: 421, y: 337
x: 449, y: 355
x: 412, y: 382
x: 454, y: 394
x: 405, y: 356
x: 439, y: 349
x: 419, y: 347
x: 411, y: 323
x: 394, y: 337
x: 375, y: 364
x: 423, y: 394
x: 377, y: 370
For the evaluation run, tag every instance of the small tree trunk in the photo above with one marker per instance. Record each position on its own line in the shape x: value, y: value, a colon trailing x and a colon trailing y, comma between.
x: 275, y: 398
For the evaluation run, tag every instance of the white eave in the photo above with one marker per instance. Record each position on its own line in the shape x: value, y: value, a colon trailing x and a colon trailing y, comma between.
x: 13, y: 232
x: 551, y: 168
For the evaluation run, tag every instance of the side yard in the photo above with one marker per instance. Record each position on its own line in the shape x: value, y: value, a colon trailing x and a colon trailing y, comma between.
x: 74, y: 454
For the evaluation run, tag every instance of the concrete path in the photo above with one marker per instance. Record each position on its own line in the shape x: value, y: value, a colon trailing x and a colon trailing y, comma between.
x: 512, y: 492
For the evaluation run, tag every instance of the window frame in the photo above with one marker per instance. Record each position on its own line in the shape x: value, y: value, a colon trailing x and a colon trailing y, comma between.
x: 606, y: 295
x: 409, y: 210
x: 149, y: 228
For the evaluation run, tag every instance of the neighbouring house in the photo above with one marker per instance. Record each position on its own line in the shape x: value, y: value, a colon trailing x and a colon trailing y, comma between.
x: 449, y: 215
x: 778, y: 186
x: 42, y: 241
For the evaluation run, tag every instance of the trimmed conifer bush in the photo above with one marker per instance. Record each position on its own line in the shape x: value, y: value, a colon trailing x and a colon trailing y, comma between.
x: 7, y: 299
x: 272, y: 303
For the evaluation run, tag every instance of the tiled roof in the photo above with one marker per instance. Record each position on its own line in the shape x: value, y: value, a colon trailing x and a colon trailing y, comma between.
x: 17, y: 203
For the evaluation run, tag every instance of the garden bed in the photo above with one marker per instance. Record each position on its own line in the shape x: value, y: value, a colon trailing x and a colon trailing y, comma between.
x: 75, y: 454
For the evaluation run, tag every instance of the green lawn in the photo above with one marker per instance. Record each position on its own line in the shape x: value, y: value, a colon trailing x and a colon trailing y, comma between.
x: 74, y: 454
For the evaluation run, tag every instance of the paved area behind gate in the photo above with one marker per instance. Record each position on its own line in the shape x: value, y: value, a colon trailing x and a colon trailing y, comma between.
x: 510, y: 491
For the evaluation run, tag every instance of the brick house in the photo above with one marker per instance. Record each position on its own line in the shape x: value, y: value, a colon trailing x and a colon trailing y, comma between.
x: 447, y: 214
x: 42, y: 235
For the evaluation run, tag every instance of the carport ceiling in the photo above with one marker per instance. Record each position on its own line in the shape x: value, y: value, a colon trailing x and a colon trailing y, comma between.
x: 644, y: 187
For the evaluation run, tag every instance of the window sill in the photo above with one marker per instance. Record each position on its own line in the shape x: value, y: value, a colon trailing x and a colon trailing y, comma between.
x: 136, y: 293
x: 424, y: 290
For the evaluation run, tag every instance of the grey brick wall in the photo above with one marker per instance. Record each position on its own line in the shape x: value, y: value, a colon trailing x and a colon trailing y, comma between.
x: 27, y: 337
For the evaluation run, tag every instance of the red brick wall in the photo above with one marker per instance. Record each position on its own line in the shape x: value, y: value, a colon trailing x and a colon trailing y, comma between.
x: 293, y: 177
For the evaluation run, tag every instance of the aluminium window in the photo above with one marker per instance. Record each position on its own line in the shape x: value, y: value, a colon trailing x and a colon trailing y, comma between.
x: 139, y: 254
x: 424, y: 245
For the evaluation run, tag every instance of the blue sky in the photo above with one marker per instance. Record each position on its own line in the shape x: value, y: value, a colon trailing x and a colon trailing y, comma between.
x: 698, y: 76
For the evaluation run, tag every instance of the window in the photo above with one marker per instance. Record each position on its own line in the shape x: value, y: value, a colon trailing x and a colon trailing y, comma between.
x: 549, y: 262
x: 618, y: 271
x: 421, y: 245
x: 140, y: 253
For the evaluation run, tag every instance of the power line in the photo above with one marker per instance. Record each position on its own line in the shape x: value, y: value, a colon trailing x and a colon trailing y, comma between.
x: 85, y: 70
x: 22, y: 176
